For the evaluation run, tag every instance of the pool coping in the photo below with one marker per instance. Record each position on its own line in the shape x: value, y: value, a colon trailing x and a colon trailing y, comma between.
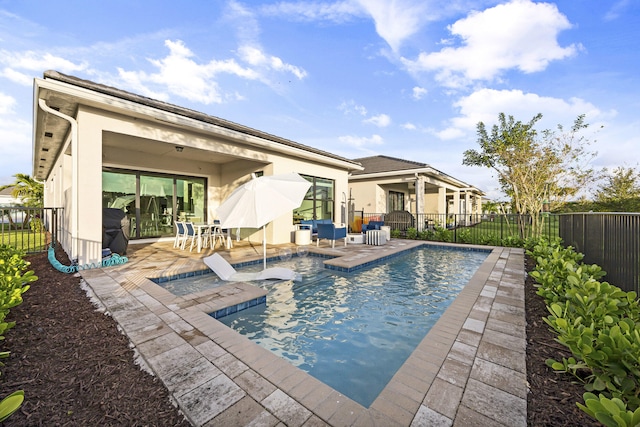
x: 472, y: 358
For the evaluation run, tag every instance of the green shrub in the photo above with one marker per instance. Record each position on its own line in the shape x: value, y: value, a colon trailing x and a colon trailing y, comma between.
x: 441, y: 234
x: 464, y: 236
x: 412, y: 233
x: 13, y: 283
x: 600, y: 324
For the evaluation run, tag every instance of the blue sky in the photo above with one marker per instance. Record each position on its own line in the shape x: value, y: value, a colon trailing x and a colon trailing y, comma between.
x: 405, y: 78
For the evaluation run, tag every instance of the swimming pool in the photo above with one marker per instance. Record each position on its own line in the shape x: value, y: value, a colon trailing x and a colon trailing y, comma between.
x: 354, y: 330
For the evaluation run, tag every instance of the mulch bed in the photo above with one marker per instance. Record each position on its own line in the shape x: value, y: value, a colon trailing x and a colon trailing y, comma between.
x: 552, y: 396
x: 77, y: 369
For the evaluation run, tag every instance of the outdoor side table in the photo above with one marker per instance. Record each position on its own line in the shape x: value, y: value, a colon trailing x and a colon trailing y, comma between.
x: 387, y: 231
x: 303, y: 236
x: 355, y: 238
x: 376, y: 237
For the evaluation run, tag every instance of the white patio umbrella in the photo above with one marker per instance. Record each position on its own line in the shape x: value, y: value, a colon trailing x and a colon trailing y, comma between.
x: 260, y: 201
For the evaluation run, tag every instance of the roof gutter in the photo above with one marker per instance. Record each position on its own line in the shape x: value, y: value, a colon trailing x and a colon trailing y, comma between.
x: 74, y: 175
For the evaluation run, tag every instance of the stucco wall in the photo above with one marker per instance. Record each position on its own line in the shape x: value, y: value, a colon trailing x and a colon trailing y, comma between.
x: 107, y: 139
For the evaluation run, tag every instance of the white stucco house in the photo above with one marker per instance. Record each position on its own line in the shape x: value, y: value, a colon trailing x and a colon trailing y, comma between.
x: 387, y: 184
x: 96, y: 146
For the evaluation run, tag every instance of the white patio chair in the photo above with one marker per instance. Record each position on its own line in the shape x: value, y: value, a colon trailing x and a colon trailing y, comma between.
x: 190, y: 233
x: 180, y: 234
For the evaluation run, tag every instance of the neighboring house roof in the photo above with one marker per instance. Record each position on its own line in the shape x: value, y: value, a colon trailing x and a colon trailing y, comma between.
x: 166, y: 107
x: 375, y: 166
x: 6, y: 198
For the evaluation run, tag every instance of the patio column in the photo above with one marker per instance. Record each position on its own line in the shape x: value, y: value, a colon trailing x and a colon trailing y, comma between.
x: 467, y: 208
x: 442, y: 201
x: 456, y: 203
x: 420, y: 202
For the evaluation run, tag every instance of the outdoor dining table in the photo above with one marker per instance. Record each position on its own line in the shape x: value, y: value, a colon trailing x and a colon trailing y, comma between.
x: 200, y: 228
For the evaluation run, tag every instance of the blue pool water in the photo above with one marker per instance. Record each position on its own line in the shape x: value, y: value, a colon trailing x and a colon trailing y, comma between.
x: 354, y: 330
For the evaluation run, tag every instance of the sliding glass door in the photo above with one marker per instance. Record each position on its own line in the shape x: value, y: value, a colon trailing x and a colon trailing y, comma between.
x: 153, y: 202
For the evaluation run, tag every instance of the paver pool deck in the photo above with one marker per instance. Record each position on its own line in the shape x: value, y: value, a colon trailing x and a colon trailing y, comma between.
x: 469, y: 370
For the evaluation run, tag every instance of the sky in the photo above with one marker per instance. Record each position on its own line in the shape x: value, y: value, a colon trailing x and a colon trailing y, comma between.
x: 409, y: 79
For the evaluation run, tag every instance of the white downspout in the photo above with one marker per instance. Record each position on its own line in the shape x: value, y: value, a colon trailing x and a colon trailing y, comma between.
x: 74, y: 174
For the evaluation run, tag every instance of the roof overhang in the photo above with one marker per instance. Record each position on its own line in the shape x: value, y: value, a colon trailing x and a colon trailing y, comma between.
x: 405, y: 175
x: 50, y: 133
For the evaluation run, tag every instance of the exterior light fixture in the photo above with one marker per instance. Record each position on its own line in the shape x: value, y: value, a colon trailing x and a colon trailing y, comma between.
x: 179, y: 149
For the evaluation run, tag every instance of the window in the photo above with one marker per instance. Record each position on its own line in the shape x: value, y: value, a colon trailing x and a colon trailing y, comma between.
x: 318, y: 202
x: 153, y: 202
x: 395, y: 201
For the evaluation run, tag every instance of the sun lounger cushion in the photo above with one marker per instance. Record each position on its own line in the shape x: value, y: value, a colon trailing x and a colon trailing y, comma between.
x: 226, y: 272
x: 220, y: 266
x: 278, y: 273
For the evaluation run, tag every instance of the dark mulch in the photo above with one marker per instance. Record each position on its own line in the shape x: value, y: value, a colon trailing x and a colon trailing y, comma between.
x: 77, y: 369
x: 553, y: 396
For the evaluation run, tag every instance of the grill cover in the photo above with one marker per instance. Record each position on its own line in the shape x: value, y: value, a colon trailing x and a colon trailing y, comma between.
x: 115, y: 230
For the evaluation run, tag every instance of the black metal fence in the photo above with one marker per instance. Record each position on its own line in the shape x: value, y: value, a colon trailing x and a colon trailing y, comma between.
x: 484, y: 229
x: 611, y: 240
x: 29, y: 229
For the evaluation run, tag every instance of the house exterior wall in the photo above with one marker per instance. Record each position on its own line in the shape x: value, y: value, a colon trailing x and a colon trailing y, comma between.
x: 108, y: 139
x: 368, y: 196
x: 439, y: 197
x: 432, y: 202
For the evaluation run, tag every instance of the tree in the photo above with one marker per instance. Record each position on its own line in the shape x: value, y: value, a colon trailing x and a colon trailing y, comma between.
x: 31, y: 192
x: 27, y: 189
x: 621, y: 190
x: 534, y: 168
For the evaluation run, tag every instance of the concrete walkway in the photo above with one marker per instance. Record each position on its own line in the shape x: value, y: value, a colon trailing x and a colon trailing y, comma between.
x: 468, y: 370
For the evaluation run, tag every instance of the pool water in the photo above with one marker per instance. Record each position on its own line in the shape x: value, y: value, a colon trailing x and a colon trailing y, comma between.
x: 354, y: 330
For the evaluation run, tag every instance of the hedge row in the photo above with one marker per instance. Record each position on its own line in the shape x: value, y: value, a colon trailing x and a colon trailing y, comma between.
x: 600, y: 324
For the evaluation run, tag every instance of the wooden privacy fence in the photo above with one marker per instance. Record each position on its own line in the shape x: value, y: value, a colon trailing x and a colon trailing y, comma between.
x: 611, y: 240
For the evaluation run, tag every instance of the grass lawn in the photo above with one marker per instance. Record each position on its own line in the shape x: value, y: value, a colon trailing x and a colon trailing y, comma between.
x: 503, y: 228
x: 25, y: 240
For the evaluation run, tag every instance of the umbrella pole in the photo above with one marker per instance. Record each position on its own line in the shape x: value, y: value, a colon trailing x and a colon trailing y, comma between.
x: 264, y: 247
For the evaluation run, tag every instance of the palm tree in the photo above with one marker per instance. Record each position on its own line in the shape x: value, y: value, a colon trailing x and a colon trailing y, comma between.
x: 31, y: 193
x: 27, y: 189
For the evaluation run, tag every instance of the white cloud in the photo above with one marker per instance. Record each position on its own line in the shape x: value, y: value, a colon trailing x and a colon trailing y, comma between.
x: 337, y: 12
x: 256, y: 57
x: 38, y: 61
x: 381, y: 120
x: 361, y: 141
x: 18, y: 62
x: 6, y: 103
x: 397, y: 20
x: 517, y: 35
x: 484, y: 106
x: 418, y: 92
x: 409, y: 126
x: 17, y: 77
x: 184, y: 77
x: 350, y: 107
x: 450, y: 133
x: 181, y: 75
x: 135, y: 80
x: 617, y: 9
x: 247, y: 27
